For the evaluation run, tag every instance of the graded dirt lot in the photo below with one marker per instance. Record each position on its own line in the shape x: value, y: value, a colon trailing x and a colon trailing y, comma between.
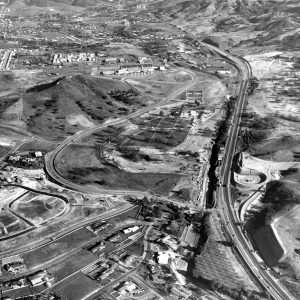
x: 38, y: 208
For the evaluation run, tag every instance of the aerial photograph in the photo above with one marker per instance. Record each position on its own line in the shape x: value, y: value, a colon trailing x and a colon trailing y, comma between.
x: 149, y: 150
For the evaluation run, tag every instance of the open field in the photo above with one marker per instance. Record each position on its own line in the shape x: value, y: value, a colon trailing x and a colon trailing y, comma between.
x: 37, y: 145
x: 7, y: 219
x: 68, y: 104
x: 267, y: 245
x: 11, y: 223
x: 38, y: 208
x: 287, y: 227
x: 175, y: 76
x: 59, y: 247
x: 110, y: 177
x: 77, y: 287
x: 71, y: 241
x: 87, y: 98
x: 115, y: 157
x: 4, y: 150
x: 71, y: 264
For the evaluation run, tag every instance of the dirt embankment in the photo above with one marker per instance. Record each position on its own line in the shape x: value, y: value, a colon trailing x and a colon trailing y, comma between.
x: 279, y: 197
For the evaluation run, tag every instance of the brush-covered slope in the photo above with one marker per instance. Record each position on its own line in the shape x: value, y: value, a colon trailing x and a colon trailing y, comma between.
x: 65, y: 105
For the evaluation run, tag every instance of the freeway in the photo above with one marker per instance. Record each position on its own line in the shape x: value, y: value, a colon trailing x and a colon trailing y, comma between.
x: 271, y: 285
x: 50, y: 166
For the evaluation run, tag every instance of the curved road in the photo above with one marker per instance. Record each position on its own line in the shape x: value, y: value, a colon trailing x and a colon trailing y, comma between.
x: 50, y: 166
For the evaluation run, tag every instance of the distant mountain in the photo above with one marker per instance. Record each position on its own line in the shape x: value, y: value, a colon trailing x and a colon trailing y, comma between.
x: 43, y: 3
x: 271, y: 21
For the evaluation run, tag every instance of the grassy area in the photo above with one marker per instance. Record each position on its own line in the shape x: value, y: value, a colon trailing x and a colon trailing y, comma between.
x: 49, y: 109
x: 85, y: 164
x: 72, y: 264
x: 7, y: 219
x: 267, y: 245
x: 38, y: 209
x: 110, y: 177
x: 4, y: 150
x: 76, y: 288
x: 59, y: 247
x: 38, y: 145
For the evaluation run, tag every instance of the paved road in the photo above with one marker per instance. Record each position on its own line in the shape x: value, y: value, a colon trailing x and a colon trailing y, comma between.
x: 271, y: 285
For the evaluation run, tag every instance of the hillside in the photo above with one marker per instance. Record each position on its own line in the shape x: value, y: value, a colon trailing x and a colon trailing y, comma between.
x: 61, y: 107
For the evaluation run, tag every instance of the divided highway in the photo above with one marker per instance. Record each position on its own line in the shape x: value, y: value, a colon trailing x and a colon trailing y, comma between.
x: 271, y: 285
